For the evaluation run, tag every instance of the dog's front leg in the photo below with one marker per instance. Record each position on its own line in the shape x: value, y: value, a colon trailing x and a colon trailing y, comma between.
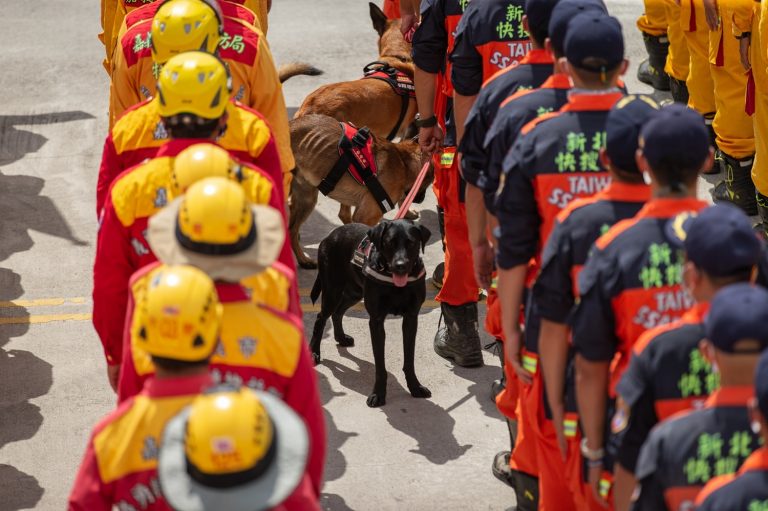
x: 379, y: 395
x: 410, y: 325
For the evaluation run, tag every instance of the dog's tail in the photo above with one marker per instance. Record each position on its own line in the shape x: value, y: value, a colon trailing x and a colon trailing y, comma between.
x: 292, y: 69
x: 317, y: 288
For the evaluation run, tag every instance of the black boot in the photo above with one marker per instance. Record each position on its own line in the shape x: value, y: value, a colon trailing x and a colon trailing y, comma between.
x: 500, y: 469
x: 651, y: 71
x: 527, y: 490
x: 737, y: 188
x: 679, y: 90
x: 458, y: 339
x: 762, y: 211
x: 717, y: 164
x: 498, y: 385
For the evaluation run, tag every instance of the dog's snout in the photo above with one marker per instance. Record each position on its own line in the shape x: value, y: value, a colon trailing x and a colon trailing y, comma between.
x: 400, y: 266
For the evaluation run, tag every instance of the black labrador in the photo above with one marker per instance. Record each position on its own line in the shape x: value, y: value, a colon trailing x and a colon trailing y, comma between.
x: 382, y: 266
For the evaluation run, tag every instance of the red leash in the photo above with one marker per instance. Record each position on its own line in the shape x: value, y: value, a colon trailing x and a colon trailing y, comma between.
x: 412, y: 194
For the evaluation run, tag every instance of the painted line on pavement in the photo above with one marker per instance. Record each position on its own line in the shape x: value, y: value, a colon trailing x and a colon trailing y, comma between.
x: 51, y: 318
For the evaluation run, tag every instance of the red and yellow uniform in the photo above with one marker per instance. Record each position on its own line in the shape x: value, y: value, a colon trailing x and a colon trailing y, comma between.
x: 654, y: 18
x: 258, y: 347
x: 678, y: 59
x: 119, y: 468
x: 244, y: 49
x: 122, y: 249
x: 139, y: 134
x: 114, y: 12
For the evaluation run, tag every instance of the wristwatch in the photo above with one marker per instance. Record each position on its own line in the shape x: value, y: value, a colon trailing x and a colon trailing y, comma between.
x: 424, y: 123
x: 591, y: 454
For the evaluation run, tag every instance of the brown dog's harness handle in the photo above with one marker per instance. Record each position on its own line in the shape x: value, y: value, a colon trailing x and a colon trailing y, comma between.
x: 400, y: 83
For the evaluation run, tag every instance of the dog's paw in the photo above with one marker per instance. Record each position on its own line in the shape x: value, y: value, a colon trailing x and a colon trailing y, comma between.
x: 316, y: 358
x: 346, y: 341
x: 374, y: 400
x: 420, y: 391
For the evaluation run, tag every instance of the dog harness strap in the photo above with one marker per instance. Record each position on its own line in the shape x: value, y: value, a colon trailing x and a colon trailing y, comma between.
x: 400, y: 83
x: 356, y: 157
x: 330, y: 181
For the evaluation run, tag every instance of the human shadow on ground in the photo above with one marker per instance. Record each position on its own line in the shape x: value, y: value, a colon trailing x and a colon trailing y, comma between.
x: 421, y: 419
x: 19, y: 490
x: 15, y: 143
x: 23, y: 376
x: 333, y: 502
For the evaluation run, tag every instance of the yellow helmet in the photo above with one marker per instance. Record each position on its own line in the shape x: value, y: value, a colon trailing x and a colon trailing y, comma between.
x: 179, y: 315
x: 185, y: 25
x: 195, y: 83
x: 200, y: 161
x: 228, y: 432
x: 215, y: 211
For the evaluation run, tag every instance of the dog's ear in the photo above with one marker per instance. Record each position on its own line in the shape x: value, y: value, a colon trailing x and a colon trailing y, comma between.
x: 376, y: 233
x: 425, y: 235
x: 379, y: 19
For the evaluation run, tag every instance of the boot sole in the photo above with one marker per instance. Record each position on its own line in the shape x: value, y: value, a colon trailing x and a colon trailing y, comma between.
x: 458, y: 360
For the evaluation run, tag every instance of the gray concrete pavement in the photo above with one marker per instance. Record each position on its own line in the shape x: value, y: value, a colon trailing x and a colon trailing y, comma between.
x: 411, y: 454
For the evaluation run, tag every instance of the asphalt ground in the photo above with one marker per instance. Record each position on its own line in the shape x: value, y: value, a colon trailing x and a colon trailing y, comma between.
x: 410, y: 454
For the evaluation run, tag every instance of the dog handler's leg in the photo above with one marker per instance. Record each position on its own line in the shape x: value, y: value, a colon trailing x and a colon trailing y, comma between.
x: 379, y: 395
x: 410, y: 325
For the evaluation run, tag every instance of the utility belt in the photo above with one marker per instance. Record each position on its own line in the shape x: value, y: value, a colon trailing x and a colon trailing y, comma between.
x: 356, y: 157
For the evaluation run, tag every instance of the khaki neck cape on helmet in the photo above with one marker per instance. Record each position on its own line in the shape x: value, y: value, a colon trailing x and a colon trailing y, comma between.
x: 215, y: 228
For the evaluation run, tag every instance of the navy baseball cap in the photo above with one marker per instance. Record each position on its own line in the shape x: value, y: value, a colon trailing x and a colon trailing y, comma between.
x: 677, y: 136
x: 563, y: 13
x: 737, y: 319
x: 594, y: 36
x: 539, y: 13
x: 623, y: 125
x: 761, y: 384
x: 733, y: 247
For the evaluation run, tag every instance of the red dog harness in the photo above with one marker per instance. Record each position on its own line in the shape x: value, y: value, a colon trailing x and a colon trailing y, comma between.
x: 400, y: 82
x: 356, y: 157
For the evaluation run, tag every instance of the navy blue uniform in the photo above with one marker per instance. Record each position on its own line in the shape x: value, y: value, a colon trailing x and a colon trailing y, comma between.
x: 631, y: 283
x: 483, y: 168
x: 667, y: 374
x: 530, y: 73
x: 489, y: 37
x: 747, y: 491
x: 683, y: 453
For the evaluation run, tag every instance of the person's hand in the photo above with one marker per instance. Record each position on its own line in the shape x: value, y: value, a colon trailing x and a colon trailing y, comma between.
x: 712, y: 14
x: 482, y: 259
x: 113, y: 371
x: 512, y: 343
x: 430, y: 139
x: 558, y: 417
x: 744, y: 43
x: 595, y: 472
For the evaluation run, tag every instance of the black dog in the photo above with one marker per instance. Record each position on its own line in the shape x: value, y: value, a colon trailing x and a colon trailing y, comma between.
x: 382, y: 266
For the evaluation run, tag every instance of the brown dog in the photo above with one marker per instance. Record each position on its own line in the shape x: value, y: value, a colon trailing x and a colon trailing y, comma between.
x: 370, y: 102
x: 314, y: 140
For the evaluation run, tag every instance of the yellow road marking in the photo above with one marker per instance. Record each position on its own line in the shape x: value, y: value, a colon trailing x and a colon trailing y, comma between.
x: 42, y: 302
x: 50, y: 318
x: 44, y: 318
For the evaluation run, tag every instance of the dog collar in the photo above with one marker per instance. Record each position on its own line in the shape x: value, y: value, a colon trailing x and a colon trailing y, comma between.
x: 362, y: 259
